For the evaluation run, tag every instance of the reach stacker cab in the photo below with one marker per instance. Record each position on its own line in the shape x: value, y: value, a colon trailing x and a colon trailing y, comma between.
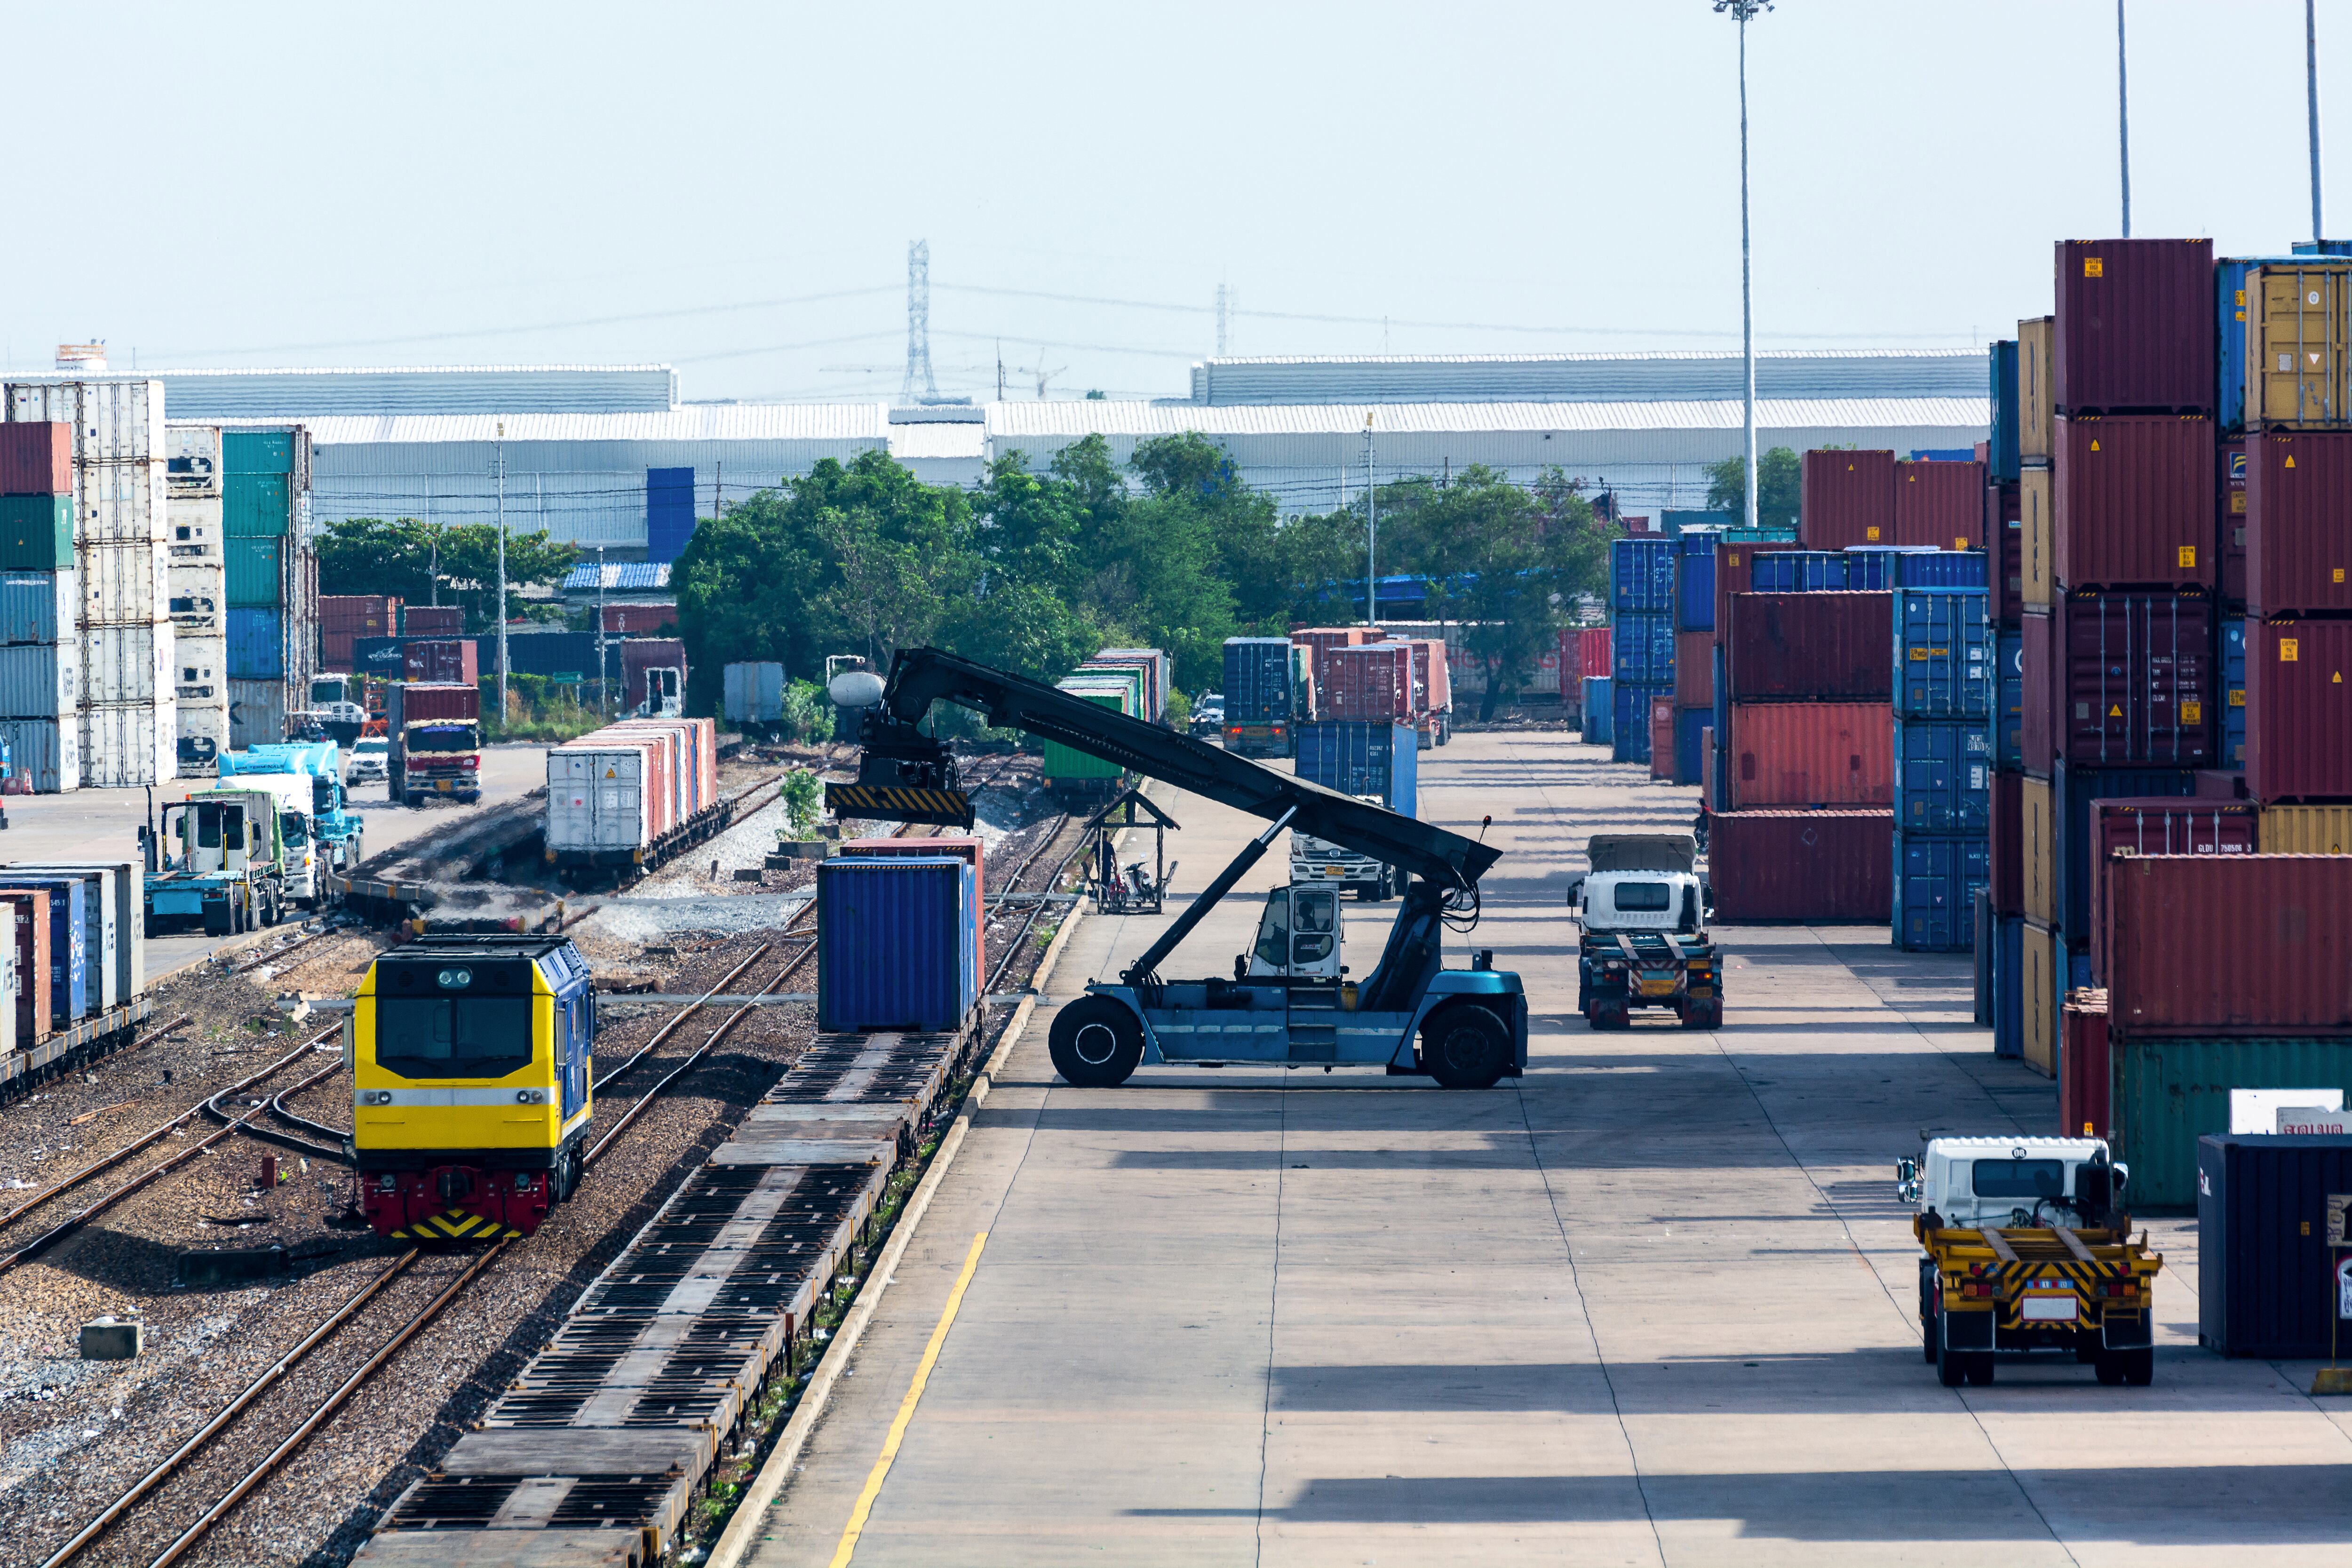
x: 1287, y: 1004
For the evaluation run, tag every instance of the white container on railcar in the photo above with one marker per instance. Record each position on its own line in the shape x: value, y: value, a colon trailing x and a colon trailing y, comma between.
x: 604, y: 798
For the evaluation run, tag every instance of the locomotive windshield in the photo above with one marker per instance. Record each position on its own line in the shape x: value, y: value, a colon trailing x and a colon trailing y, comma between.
x: 453, y: 1036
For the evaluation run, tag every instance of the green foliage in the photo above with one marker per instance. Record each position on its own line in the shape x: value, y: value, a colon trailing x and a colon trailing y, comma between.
x: 1779, y: 480
x: 803, y: 796
x: 411, y: 558
x: 806, y: 713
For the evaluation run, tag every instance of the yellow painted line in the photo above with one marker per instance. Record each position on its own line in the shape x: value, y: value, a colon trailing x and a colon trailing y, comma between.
x: 859, y: 1515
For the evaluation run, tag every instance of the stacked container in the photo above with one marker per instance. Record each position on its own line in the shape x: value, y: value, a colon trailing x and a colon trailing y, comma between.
x: 1077, y: 774
x: 1642, y: 599
x: 449, y: 621
x: 40, y: 652
x: 199, y: 604
x: 1695, y: 552
x: 616, y: 793
x: 344, y: 618
x: 272, y: 579
x: 1158, y: 669
x: 1846, y: 498
x: 1944, y: 681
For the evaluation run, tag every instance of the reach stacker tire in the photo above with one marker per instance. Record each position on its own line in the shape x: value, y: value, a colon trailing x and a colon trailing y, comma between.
x: 1096, y: 1043
x: 1465, y: 1048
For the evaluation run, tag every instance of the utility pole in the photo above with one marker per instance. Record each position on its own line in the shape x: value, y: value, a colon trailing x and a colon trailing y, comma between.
x: 1371, y: 533
x: 1743, y: 11
x: 999, y: 370
x: 1221, y: 320
x: 2311, y: 90
x: 717, y: 491
x: 604, y: 692
x: 502, y: 573
x: 2123, y: 116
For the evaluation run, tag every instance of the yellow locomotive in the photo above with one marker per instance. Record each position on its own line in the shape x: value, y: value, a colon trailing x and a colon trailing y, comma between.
x: 471, y: 1092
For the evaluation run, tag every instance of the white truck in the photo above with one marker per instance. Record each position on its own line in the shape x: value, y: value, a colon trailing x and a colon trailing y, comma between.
x: 1315, y: 863
x: 1643, y: 911
x: 2027, y: 1247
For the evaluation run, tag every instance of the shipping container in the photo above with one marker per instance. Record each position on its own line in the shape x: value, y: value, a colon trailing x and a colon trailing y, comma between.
x: 1158, y: 671
x: 1815, y: 867
x: 1807, y: 647
x: 2001, y: 449
x: 2155, y: 825
x: 2281, y: 335
x: 2298, y: 495
x: 1362, y: 759
x: 639, y: 620
x: 2007, y: 1006
x: 433, y: 621
x: 39, y: 681
x: 610, y: 798
x: 1797, y: 571
x: 1812, y: 755
x: 2298, y: 717
x: 360, y: 614
x: 256, y: 505
x: 127, y: 664
x: 640, y: 657
x: 116, y: 421
x: 257, y: 645
x: 2084, y: 1067
x: 2038, y: 688
x: 1939, y: 505
x: 36, y: 534
x: 1943, y: 654
x: 1691, y: 729
x: 124, y: 585
x: 2135, y: 326
x: 2167, y: 1094
x: 1641, y: 577
x: 1662, y: 736
x: 37, y: 607
x: 1592, y: 652
x: 248, y: 452
x: 2133, y: 503
x: 1886, y: 567
x: 71, y: 970
x: 961, y: 847
x: 2037, y: 839
x: 44, y: 753
x: 754, y: 693
x: 1846, y: 498
x: 2230, y: 463
x: 2005, y: 551
x: 1370, y: 684
x: 1630, y: 728
x: 694, y: 765
x: 27, y: 914
x: 2038, y: 998
x: 37, y: 459
x: 1433, y: 666
x: 1066, y: 767
x: 1734, y: 573
x: 2074, y: 790
x: 2273, y: 1281
x: 2005, y: 839
x: 1695, y: 583
x: 1936, y: 881
x: 255, y: 573
x: 257, y: 713
x: 2136, y: 682
x: 2037, y: 388
x: 112, y: 913
x: 2305, y: 830
x: 1321, y: 640
x: 2232, y: 744
x: 1942, y: 777
x: 2217, y: 945
x: 2038, y: 539
x: 120, y: 503
x: 2008, y: 700
x: 1695, y: 669
x: 1599, y: 710
x: 129, y: 743
x: 440, y: 661
x: 1644, y: 649
x: 895, y: 940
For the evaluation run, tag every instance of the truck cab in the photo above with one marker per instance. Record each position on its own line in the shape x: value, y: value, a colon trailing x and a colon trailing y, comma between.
x: 440, y: 756
x: 1314, y: 862
x: 1641, y: 912
x: 223, y: 864
x: 1966, y: 1183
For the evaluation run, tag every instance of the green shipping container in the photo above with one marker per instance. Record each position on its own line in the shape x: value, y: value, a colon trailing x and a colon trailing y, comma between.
x: 253, y: 581
x: 2171, y: 1093
x: 36, y: 534
x: 1065, y: 765
x: 257, y: 451
x: 253, y: 506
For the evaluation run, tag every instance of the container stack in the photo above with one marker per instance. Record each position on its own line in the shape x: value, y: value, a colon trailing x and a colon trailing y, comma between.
x: 120, y: 700
x: 2020, y: 436
x: 272, y: 579
x: 39, y: 599
x: 345, y: 618
x: 1694, y: 706
x: 199, y: 594
x: 1943, y: 686
x: 1642, y: 600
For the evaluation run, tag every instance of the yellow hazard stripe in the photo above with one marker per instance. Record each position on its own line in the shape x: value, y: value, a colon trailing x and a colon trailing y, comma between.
x: 895, y: 798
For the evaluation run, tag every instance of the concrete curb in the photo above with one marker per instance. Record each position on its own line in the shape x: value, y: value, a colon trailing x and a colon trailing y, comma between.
x: 750, y: 1517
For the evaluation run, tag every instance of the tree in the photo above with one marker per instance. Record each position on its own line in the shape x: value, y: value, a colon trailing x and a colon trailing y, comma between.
x: 427, y: 562
x: 1778, y: 484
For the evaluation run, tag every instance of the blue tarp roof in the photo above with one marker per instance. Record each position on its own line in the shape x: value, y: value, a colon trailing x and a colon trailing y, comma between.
x: 622, y: 575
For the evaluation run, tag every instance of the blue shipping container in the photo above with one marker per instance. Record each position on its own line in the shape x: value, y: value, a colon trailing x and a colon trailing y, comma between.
x: 1943, y: 654
x: 2234, y: 686
x: 1599, y: 711
x: 1694, y: 585
x: 2009, y: 702
x: 895, y: 943
x: 257, y: 645
x: 1257, y: 681
x: 2008, y: 999
x: 1796, y: 572
x: 1642, y: 576
x: 1356, y: 757
x: 2003, y: 466
x: 1944, y: 455
x: 29, y: 602
x: 1642, y: 651
x: 669, y: 512
x: 1936, y: 886
x: 1943, y: 776
x: 71, y: 982
x: 2073, y: 789
x: 1676, y: 523
x: 1630, y: 730
x: 1690, y: 723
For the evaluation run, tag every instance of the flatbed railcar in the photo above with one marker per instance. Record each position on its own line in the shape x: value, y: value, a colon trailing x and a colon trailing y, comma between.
x: 61, y: 1050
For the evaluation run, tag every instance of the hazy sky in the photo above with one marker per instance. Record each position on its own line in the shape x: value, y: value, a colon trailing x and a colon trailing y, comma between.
x: 496, y: 184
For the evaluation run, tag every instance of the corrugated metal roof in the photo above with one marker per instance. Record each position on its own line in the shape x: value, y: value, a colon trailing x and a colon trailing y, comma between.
x: 306, y: 394
x: 619, y: 577
x: 1074, y: 417
x: 690, y: 422
x: 1675, y: 375
x: 911, y: 442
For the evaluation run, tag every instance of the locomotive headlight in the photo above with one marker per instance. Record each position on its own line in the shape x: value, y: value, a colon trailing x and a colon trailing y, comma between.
x: 454, y: 979
x: 530, y: 1097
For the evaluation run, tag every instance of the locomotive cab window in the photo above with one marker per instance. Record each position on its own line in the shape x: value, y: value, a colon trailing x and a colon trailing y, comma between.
x: 453, y: 1036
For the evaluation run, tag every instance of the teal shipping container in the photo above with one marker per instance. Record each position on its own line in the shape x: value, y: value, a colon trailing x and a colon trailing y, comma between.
x: 2168, y: 1093
x: 36, y: 534
x: 254, y: 506
x: 1067, y: 768
x: 1599, y: 711
x: 252, y: 569
x: 257, y: 451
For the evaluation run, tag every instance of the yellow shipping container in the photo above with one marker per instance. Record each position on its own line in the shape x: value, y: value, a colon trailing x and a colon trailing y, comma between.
x: 2305, y: 830
x: 2038, y: 842
x: 2038, y: 538
x: 2296, y: 334
x: 2036, y: 388
x: 2038, y: 983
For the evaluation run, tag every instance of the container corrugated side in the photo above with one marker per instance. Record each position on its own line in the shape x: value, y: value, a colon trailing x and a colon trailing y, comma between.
x: 596, y: 800
x: 2005, y: 839
x: 1939, y: 504
x: 2156, y: 826
x: 1942, y: 777
x: 1846, y: 498
x: 255, y: 506
x: 256, y: 644
x: 1256, y: 680
x: 1936, y: 880
x: 127, y: 664
x: 120, y: 503
x: 2133, y: 501
x: 961, y: 847
x: 1734, y: 573
x: 116, y: 420
x: 2305, y: 830
x: 1642, y: 576
x: 2037, y: 387
x: 1599, y: 710
x: 2168, y: 1094
x: 1358, y: 758
x: 35, y: 457
x: 255, y: 571
x: 1066, y: 765
x: 2269, y: 1282
x: 2298, y: 545
x: 2038, y: 998
x: 1662, y: 736
x: 2001, y: 366
x: 754, y: 692
x: 257, y: 713
x: 895, y: 944
x: 1812, y: 754
x: 48, y: 752
x: 1642, y: 652
x: 1812, y: 647
x: 129, y: 744
x: 2074, y: 791
x: 36, y: 534
x: 2282, y: 344
x: 1943, y: 654
x: 36, y: 606
x: 2037, y: 837
x: 2137, y: 679
x: 2298, y: 710
x: 39, y: 681
x: 1694, y: 585
x: 2037, y: 510
x: 1830, y: 867
x: 2135, y: 325
x: 2005, y: 551
x: 1628, y: 728
x: 1695, y: 669
x: 2085, y: 1068
x: 2038, y: 687
x: 2214, y: 945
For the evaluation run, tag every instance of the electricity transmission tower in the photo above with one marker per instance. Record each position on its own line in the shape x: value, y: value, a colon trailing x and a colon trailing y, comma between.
x: 919, y: 384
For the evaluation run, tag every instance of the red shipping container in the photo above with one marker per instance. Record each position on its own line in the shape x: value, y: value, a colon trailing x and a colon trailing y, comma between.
x: 2129, y: 503
x: 1436, y: 676
x: 2229, y: 462
x: 963, y: 848
x: 1373, y: 681
x: 2298, y: 714
x: 2299, y: 523
x: 1846, y: 498
x: 2037, y: 675
x: 1593, y: 650
x: 2159, y: 825
x: 413, y: 702
x: 2084, y: 1063
x: 2004, y: 533
x: 1734, y: 571
x: 640, y: 620
x: 2136, y: 326
x: 1812, y: 754
x: 1813, y: 866
x: 1321, y: 640
x: 28, y: 913
x: 2006, y: 844
x: 37, y: 459
x: 1662, y: 737
x: 359, y: 615
x: 335, y: 652
x: 1810, y: 647
x: 1694, y: 670
x: 1939, y: 504
x: 697, y: 758
x: 431, y: 621
x: 2135, y: 684
x: 452, y: 662
x: 639, y: 654
x: 2229, y: 944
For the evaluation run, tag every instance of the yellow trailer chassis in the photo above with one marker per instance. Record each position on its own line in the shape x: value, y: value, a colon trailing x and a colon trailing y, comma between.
x: 2047, y: 1288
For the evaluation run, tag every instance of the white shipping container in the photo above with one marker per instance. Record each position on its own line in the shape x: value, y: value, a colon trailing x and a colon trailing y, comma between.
x: 34, y: 604
x: 44, y: 751
x: 39, y: 681
x: 119, y: 503
x: 194, y: 531
x: 204, y: 733
x: 200, y: 665
x: 257, y: 713
x: 199, y: 599
x: 192, y: 460
x: 596, y: 799
x: 116, y: 418
x: 124, y: 585
x: 127, y: 664
x: 129, y: 743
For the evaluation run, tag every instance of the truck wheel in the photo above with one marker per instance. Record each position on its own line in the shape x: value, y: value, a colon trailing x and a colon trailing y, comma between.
x: 2136, y: 1368
x: 219, y: 919
x: 1466, y: 1047
x: 1951, y: 1365
x: 2109, y: 1365
x: 1981, y: 1368
x: 1096, y: 1043
x: 1931, y: 1302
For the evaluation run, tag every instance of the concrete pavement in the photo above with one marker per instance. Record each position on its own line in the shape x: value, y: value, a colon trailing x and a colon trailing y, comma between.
x: 1652, y: 1304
